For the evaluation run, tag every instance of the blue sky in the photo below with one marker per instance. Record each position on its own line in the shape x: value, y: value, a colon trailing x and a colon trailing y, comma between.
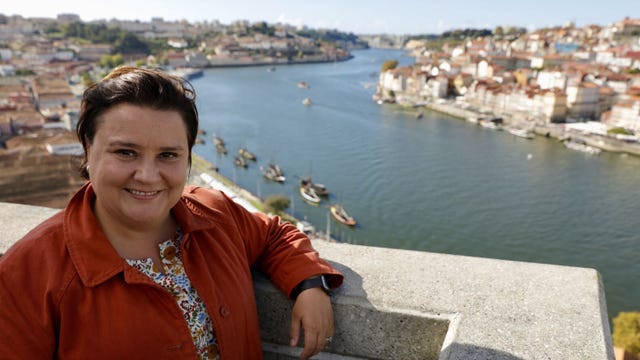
x: 358, y: 16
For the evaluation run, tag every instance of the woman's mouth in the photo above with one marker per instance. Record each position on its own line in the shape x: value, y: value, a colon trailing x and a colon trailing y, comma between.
x: 142, y: 193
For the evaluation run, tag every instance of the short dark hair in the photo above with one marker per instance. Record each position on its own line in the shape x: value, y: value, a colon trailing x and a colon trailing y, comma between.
x: 151, y: 88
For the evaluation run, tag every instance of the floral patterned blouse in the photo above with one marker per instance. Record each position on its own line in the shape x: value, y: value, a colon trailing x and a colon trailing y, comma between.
x: 175, y: 280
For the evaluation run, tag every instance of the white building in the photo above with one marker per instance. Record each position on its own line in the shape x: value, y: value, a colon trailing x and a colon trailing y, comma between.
x: 583, y: 100
x: 626, y: 114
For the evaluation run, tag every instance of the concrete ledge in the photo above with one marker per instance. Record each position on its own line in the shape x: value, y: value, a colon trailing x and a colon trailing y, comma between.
x: 404, y: 304
x: 17, y: 220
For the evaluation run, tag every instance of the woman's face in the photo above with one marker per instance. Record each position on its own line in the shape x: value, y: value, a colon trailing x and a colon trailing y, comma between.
x: 138, y: 165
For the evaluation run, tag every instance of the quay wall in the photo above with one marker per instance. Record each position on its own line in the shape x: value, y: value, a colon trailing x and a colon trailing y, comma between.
x: 553, y: 130
x: 400, y: 304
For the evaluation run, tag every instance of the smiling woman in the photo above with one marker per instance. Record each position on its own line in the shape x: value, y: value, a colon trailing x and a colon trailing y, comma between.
x: 140, y: 260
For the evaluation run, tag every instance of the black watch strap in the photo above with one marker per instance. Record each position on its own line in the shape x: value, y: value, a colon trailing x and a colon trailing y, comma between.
x: 312, y: 282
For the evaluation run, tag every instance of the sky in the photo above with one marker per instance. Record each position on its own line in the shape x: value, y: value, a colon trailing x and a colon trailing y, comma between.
x: 357, y: 16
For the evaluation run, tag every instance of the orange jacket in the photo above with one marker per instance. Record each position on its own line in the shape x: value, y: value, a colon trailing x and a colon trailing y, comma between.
x: 65, y: 292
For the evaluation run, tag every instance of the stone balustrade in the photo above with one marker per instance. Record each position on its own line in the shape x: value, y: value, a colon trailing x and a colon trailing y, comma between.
x: 400, y: 304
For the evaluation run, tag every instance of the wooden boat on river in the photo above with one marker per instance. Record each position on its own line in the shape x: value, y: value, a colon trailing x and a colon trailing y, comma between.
x: 247, y: 154
x: 319, y: 189
x: 240, y: 161
x: 341, y: 215
x: 309, y: 194
x: 273, y: 173
x: 220, y: 145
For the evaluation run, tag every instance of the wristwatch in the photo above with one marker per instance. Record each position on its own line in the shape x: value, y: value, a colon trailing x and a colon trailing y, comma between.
x: 312, y: 282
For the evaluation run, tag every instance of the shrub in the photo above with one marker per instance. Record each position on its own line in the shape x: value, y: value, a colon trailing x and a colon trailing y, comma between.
x: 388, y: 65
x: 619, y: 130
x: 276, y: 203
x: 626, y: 331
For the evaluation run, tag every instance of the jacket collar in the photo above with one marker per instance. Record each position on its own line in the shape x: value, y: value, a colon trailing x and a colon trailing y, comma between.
x: 92, y: 254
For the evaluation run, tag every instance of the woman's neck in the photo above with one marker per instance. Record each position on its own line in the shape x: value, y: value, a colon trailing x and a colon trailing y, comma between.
x: 136, y: 241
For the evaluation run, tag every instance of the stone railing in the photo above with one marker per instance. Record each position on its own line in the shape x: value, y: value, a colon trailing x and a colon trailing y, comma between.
x: 399, y: 304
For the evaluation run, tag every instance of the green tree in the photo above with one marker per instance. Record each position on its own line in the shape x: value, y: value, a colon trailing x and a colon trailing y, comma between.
x: 277, y: 203
x: 86, y: 79
x: 111, y: 61
x: 128, y: 43
x: 388, y: 65
x: 263, y: 28
x: 626, y: 331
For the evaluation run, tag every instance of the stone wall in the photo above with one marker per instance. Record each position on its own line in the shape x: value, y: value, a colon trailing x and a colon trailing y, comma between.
x: 400, y: 304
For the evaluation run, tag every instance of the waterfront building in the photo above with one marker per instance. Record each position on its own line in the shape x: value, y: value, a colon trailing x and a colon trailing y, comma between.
x: 625, y: 114
x: 582, y: 100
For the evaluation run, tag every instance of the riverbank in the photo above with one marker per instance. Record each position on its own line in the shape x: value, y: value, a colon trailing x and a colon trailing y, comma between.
x: 560, y: 131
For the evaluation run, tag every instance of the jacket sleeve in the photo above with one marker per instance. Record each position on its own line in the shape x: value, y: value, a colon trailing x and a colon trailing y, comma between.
x: 279, y: 249
x: 26, y: 326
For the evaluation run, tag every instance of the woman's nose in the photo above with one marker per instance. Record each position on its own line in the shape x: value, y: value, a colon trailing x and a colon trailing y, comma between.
x: 146, y: 171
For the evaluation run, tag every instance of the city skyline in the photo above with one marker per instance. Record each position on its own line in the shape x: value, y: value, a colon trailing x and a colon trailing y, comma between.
x: 360, y: 17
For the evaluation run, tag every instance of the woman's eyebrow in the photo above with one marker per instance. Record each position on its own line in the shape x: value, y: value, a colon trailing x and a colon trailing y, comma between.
x: 133, y: 145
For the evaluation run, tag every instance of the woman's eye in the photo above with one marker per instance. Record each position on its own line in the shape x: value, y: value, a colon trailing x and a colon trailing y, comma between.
x: 125, y: 152
x: 168, y: 155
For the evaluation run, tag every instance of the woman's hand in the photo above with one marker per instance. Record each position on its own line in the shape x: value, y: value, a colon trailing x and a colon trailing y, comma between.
x: 313, y: 312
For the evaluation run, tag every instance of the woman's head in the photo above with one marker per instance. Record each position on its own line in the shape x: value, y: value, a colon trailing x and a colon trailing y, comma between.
x: 153, y: 89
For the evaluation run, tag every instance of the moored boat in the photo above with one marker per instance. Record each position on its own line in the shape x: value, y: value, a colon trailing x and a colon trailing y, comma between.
x: 309, y: 194
x: 273, y: 173
x: 341, y: 215
x: 319, y: 189
x: 240, y: 161
x: 523, y: 133
x: 581, y: 146
x: 488, y: 124
x: 307, y: 101
x: 218, y: 140
x: 220, y: 145
x: 247, y: 154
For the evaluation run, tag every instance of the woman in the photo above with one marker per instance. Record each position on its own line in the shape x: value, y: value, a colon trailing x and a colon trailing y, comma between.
x: 139, y: 265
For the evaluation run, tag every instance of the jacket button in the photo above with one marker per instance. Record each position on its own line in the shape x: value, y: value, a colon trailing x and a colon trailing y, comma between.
x: 224, y: 311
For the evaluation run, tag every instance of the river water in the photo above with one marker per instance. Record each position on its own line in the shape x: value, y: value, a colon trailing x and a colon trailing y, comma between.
x: 434, y: 184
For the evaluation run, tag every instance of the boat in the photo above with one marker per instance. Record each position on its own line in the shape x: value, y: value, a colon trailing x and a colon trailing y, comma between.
x: 199, y: 140
x: 271, y: 69
x: 218, y: 140
x: 303, y: 85
x: 419, y: 114
x: 221, y: 149
x: 247, y: 154
x: 188, y: 73
x: 220, y: 145
x: 319, y: 189
x: 581, y: 146
x: 273, y: 173
x: 240, y: 161
x: 488, y: 124
x: 309, y: 194
x: 341, y: 215
x: 523, y: 133
x: 306, y: 101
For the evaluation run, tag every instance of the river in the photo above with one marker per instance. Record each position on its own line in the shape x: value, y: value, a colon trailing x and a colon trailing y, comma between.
x: 434, y: 184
